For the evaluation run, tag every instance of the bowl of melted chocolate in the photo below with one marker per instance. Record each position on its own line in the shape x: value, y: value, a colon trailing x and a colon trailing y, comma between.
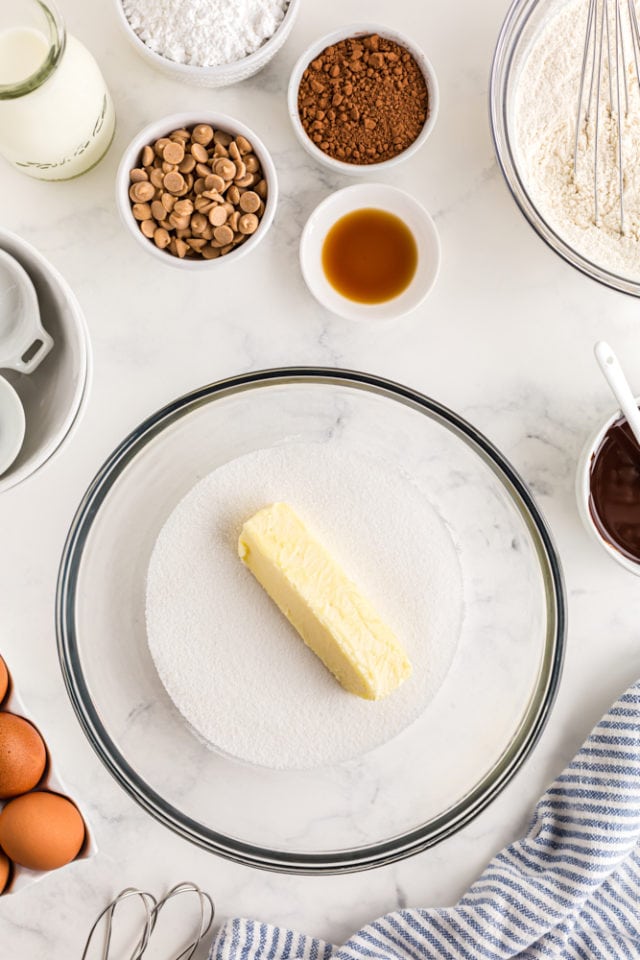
x: 609, y: 491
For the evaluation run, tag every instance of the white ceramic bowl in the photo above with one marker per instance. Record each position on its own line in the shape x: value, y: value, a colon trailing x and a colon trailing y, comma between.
x: 343, y: 33
x: 54, y: 396
x: 12, y: 425
x: 220, y: 76
x: 383, y: 197
x: 159, y: 128
x: 583, y: 491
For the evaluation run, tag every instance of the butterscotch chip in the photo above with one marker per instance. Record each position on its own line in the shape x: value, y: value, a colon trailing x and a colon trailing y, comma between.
x: 220, y: 151
x: 184, y: 208
x: 148, y: 156
x: 181, y: 248
x: 248, y: 223
x: 156, y: 176
x: 233, y: 220
x: 187, y: 164
x: 217, y: 216
x: 180, y: 134
x: 198, y: 223
x: 199, y: 152
x: 168, y: 201
x: 148, y: 227
x: 261, y: 189
x: 214, y: 182
x: 174, y: 181
x: 141, y: 211
x: 161, y: 238
x: 241, y: 170
x: 249, y: 202
x: 158, y: 211
x: 225, y: 168
x: 226, y: 249
x: 223, y: 234
x: 203, y: 170
x: 246, y: 181
x: 142, y: 191
x: 222, y: 138
x: 137, y: 175
x: 210, y: 253
x: 243, y: 145
x: 234, y: 152
x: 159, y: 145
x: 233, y: 194
x: 196, y: 243
x: 213, y: 195
x: 180, y: 223
x: 251, y: 163
x: 202, y: 133
x: 173, y: 152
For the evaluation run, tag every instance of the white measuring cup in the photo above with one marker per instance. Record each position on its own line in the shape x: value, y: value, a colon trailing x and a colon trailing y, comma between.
x: 12, y: 425
x: 24, y: 342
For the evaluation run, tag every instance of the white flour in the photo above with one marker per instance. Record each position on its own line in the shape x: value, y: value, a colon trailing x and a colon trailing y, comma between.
x: 235, y: 668
x: 545, y: 110
x: 204, y: 33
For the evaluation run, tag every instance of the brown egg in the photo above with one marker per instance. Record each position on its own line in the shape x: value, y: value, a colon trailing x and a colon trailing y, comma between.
x: 4, y: 679
x: 5, y: 870
x: 23, y: 756
x: 41, y: 830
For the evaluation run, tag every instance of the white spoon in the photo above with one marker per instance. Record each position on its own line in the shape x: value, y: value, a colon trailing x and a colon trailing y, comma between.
x: 608, y: 363
x: 24, y: 342
x: 12, y: 425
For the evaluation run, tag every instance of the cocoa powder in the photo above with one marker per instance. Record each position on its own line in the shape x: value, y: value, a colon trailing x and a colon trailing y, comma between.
x: 363, y: 100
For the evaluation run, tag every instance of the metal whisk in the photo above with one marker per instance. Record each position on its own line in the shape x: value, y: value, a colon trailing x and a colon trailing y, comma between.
x: 605, y: 51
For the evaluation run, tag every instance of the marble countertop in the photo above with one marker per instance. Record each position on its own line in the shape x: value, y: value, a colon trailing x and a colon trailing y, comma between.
x: 505, y: 339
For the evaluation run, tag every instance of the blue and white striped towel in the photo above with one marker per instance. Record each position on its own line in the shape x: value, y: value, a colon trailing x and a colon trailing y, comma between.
x: 569, y: 889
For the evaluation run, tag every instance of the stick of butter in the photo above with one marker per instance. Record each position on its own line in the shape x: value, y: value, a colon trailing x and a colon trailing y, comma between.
x: 324, y: 606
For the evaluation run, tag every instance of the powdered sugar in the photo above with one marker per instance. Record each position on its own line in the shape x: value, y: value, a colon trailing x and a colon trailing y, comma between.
x: 235, y: 668
x: 205, y: 33
x: 545, y: 114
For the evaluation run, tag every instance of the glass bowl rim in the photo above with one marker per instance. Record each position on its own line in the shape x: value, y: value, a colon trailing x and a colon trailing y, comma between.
x: 516, y: 18
x: 357, y: 858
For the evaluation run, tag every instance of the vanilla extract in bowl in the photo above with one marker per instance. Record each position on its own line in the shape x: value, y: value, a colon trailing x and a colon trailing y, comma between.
x: 369, y: 256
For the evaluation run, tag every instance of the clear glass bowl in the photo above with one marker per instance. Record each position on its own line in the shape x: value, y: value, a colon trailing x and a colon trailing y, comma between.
x: 401, y: 797
x: 523, y: 21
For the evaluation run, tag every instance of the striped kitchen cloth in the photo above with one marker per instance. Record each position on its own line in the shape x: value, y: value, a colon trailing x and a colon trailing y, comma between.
x: 569, y: 889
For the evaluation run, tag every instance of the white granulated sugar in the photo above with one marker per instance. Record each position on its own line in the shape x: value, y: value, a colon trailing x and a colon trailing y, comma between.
x: 205, y: 33
x: 230, y: 661
x: 545, y: 110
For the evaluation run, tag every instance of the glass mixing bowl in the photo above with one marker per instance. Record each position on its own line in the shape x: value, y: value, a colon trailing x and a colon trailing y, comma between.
x: 403, y: 796
x: 524, y: 20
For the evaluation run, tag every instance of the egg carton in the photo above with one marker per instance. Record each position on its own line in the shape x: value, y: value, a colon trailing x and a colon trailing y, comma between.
x: 22, y: 877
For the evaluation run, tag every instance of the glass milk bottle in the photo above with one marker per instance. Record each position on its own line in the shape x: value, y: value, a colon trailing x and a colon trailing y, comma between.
x: 56, y: 115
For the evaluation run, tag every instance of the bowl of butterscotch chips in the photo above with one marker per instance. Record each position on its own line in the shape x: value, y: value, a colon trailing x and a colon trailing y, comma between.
x: 363, y: 96
x: 194, y: 188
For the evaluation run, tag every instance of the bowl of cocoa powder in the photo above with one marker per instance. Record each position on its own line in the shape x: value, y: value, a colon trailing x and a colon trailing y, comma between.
x: 363, y: 96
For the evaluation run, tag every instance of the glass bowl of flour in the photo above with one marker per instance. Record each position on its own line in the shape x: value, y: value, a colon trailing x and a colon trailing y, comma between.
x: 535, y: 84
x: 208, y: 43
x: 201, y: 699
